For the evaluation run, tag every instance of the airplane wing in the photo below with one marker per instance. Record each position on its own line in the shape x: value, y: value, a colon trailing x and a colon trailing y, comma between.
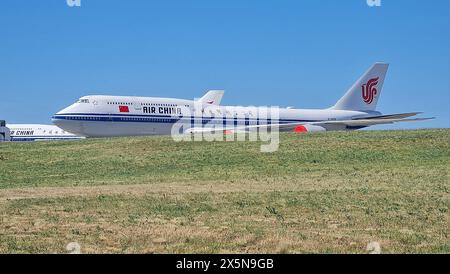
x: 391, y: 116
x: 369, y: 122
x: 310, y: 126
x: 241, y: 128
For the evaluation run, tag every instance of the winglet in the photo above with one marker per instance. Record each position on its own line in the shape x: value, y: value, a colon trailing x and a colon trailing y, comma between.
x: 212, y: 97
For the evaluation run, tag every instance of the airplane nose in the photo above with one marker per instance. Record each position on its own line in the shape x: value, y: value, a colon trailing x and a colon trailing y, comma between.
x: 59, y: 119
x: 64, y: 119
x: 69, y: 124
x: 57, y: 122
x: 58, y: 116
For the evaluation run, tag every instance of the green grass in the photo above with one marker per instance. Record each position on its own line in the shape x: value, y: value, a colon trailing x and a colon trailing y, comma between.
x: 331, y: 193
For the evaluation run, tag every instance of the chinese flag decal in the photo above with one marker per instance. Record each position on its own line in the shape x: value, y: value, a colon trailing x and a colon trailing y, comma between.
x: 123, y: 109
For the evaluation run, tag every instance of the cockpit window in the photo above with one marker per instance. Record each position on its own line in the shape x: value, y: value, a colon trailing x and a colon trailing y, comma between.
x: 83, y: 101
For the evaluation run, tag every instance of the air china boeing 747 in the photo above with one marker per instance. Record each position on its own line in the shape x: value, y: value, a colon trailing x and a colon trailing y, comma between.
x: 104, y: 116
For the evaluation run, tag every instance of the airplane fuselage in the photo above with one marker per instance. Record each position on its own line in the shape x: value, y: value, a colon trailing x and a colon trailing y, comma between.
x: 106, y: 116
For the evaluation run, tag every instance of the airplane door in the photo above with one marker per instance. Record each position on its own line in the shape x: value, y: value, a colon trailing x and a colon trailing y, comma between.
x: 137, y: 106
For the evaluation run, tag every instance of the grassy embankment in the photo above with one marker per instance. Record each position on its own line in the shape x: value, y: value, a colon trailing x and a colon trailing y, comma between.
x: 332, y: 192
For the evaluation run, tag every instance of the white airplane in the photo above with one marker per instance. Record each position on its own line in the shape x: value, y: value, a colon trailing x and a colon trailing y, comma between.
x: 104, y: 116
x: 35, y: 132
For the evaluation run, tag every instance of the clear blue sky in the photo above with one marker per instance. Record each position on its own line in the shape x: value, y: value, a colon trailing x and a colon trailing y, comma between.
x: 287, y: 53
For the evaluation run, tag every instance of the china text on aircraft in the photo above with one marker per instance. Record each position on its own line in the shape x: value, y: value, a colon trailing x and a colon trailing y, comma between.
x: 101, y: 116
x: 36, y: 132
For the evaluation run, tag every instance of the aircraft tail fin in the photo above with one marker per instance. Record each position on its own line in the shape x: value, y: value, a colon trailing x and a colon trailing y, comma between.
x: 212, y: 97
x: 365, y: 92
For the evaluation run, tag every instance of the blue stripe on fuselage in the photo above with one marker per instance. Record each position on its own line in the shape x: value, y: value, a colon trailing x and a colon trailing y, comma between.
x: 96, y: 117
x: 35, y: 138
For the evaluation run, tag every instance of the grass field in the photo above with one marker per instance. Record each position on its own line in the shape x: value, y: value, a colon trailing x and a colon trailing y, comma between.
x: 331, y: 193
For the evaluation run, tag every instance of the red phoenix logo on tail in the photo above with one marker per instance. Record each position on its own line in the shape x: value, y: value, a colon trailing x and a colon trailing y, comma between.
x: 369, y: 90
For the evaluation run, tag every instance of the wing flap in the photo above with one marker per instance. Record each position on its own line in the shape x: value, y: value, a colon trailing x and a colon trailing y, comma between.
x: 235, y: 129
